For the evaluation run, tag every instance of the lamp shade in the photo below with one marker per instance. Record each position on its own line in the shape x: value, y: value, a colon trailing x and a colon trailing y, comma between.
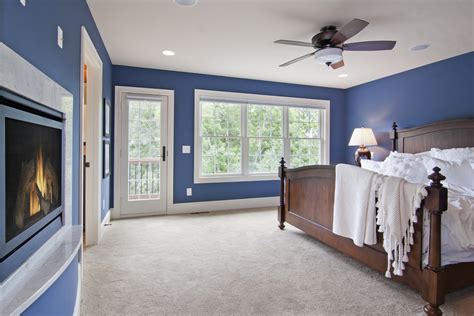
x: 363, y: 136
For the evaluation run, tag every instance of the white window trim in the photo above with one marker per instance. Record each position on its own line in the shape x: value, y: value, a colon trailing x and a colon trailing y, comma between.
x: 255, y: 98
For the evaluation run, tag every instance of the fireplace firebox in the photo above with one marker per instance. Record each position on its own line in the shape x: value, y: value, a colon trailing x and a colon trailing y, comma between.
x: 31, y: 170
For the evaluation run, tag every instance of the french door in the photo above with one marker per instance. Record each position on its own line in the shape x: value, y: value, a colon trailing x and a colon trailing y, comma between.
x: 143, y: 154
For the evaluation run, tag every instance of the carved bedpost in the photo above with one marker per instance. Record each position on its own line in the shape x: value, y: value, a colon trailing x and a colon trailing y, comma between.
x: 433, y: 274
x: 281, y: 208
x: 394, y: 136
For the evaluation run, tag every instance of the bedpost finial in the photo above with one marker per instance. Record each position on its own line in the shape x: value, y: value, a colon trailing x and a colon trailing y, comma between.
x: 394, y: 126
x: 436, y: 177
x: 282, y: 162
x: 281, y: 169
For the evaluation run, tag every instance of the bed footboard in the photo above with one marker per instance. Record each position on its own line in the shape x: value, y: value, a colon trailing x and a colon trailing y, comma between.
x: 307, y: 201
x: 307, y: 193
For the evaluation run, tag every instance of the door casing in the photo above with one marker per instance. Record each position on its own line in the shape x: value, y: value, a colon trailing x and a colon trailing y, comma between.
x: 93, y: 136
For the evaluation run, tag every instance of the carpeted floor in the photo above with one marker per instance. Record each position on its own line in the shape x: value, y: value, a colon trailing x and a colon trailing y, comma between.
x: 235, y: 263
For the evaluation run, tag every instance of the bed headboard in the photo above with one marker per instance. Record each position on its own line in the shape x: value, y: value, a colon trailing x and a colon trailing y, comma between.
x: 442, y: 134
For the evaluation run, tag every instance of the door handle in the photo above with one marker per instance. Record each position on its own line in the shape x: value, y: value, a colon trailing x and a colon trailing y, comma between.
x: 87, y: 164
x: 164, y: 153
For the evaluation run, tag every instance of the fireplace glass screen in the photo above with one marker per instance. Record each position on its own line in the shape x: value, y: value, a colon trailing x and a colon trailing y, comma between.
x: 33, y: 170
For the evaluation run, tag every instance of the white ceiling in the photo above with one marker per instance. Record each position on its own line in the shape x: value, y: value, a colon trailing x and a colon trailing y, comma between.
x: 235, y: 37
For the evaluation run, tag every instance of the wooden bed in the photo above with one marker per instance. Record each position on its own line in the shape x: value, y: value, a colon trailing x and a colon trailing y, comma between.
x: 307, y: 199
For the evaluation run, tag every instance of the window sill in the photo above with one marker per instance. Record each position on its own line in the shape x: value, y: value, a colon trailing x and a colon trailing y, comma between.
x: 238, y: 178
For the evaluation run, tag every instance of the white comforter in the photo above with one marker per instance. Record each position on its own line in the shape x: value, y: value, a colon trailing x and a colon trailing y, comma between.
x: 457, y: 228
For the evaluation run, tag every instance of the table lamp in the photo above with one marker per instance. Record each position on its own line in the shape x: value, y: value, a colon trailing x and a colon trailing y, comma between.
x: 362, y: 137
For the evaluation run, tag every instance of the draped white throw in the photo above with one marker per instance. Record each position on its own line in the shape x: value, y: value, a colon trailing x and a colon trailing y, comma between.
x: 354, y: 204
x: 397, y: 205
x: 355, y: 211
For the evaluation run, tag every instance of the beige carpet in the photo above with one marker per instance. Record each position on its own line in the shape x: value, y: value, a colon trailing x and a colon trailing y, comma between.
x: 235, y: 263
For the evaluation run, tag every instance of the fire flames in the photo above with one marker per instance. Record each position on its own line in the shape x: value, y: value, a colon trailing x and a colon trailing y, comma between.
x: 41, y: 185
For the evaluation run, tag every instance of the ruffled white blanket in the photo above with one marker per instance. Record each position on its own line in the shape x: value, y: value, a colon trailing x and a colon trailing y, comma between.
x: 397, y: 205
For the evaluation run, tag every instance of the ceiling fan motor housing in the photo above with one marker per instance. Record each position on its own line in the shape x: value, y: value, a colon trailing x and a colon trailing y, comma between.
x: 323, y: 39
x: 328, y: 56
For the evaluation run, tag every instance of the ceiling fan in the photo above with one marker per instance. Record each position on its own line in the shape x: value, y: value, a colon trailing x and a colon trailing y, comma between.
x: 329, y: 44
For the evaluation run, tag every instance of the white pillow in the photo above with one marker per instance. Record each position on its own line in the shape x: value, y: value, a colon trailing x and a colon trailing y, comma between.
x: 409, y: 168
x: 456, y: 173
x: 453, y: 154
x: 371, y: 165
x: 408, y: 155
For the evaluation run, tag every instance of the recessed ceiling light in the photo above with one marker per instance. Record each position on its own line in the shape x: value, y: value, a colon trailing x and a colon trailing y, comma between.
x: 187, y: 3
x: 343, y: 75
x: 420, y: 47
x: 168, y: 53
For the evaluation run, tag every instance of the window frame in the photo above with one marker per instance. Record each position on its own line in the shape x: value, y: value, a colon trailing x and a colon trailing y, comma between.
x: 245, y: 99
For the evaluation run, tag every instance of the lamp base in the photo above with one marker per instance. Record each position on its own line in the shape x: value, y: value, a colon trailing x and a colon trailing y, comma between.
x: 361, y: 153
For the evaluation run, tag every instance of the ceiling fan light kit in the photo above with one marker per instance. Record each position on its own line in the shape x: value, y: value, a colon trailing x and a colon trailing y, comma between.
x: 186, y: 3
x: 328, y: 56
x: 329, y: 44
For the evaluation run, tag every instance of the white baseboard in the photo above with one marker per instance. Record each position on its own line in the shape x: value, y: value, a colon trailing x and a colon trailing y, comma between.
x: 222, y: 205
x: 105, y: 221
x: 208, y: 206
x: 77, y: 306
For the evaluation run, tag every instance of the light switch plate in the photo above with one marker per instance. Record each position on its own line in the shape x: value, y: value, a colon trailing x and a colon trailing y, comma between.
x: 23, y: 2
x: 60, y: 37
x: 186, y: 149
x: 189, y: 191
x: 103, y: 204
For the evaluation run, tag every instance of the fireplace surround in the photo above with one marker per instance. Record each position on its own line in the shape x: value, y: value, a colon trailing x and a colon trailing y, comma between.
x: 31, y: 170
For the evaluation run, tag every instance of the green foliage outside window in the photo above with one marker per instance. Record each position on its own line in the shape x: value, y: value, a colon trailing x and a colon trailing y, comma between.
x: 221, y: 137
x: 221, y: 142
x: 144, y: 149
x: 265, y: 132
x: 304, y: 133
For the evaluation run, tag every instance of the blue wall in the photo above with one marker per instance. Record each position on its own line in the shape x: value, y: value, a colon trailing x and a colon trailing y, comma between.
x: 184, y: 84
x: 31, y: 32
x: 60, y: 298
x: 438, y: 91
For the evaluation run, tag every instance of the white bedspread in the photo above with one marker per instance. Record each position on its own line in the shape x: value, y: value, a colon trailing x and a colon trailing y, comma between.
x: 457, y: 228
x: 354, y: 204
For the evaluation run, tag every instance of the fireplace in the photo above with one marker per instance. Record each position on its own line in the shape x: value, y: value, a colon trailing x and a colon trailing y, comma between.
x: 31, y: 169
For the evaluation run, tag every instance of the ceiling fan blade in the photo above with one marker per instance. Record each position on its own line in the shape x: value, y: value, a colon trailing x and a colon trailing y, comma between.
x: 370, y: 46
x: 295, y: 43
x: 337, y: 65
x: 348, y: 30
x: 297, y: 59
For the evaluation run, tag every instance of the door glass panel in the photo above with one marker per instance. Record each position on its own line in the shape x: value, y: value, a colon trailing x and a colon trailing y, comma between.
x: 144, y: 149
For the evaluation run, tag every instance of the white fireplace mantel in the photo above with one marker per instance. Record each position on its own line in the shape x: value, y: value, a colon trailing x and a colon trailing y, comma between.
x: 40, y: 271
x: 46, y: 265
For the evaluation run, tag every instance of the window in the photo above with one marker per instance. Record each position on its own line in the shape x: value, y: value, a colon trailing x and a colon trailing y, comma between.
x: 241, y: 137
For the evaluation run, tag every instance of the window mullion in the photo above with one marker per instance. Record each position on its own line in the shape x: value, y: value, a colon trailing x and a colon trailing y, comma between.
x: 322, y: 145
x: 244, y: 141
x: 199, y: 138
x: 286, y: 137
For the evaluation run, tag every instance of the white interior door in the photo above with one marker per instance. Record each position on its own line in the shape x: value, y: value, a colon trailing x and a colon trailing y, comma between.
x: 143, y: 154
